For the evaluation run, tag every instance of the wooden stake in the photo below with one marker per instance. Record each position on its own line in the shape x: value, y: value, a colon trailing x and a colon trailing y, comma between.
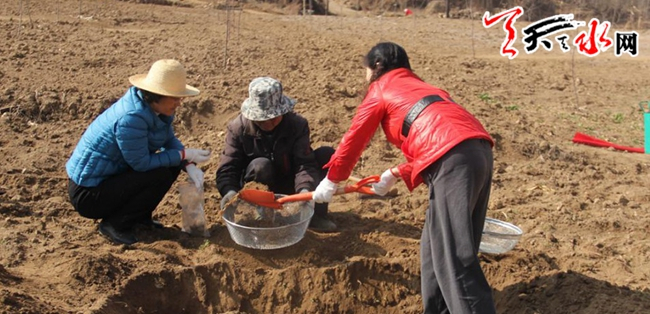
x: 20, y: 21
x: 239, y: 22
x: 471, y: 18
x: 225, y: 58
x: 29, y: 15
x: 573, y: 75
x: 447, y: 10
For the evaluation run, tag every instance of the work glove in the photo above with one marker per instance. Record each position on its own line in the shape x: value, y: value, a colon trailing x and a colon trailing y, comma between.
x: 195, y: 174
x: 195, y: 155
x: 388, y: 179
x: 305, y: 206
x: 324, y: 191
x: 227, y: 198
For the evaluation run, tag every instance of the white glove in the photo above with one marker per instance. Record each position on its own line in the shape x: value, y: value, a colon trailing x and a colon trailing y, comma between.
x: 387, y: 181
x: 226, y: 198
x: 324, y: 191
x: 195, y: 174
x: 195, y: 155
x: 305, y: 206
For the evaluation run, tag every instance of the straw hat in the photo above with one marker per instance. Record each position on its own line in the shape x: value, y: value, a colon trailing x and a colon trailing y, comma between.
x: 265, y: 100
x: 167, y: 78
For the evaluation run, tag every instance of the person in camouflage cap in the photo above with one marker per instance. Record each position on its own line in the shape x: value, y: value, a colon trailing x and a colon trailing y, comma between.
x: 265, y: 100
x: 270, y: 144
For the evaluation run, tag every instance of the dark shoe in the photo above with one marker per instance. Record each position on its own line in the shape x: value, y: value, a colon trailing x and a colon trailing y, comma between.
x: 151, y: 224
x: 121, y: 237
x: 321, y: 224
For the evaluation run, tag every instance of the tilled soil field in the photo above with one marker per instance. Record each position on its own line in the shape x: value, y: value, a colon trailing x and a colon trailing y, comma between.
x: 584, y: 210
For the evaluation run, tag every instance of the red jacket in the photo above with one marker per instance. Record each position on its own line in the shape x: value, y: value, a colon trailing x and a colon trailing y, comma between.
x: 439, y: 127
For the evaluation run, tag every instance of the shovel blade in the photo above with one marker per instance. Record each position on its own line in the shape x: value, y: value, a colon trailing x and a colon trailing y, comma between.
x: 260, y: 198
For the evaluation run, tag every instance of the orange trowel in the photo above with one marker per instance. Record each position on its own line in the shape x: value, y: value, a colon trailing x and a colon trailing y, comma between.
x: 268, y: 199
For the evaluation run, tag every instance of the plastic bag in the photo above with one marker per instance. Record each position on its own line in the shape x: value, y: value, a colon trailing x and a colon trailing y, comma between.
x: 193, y: 216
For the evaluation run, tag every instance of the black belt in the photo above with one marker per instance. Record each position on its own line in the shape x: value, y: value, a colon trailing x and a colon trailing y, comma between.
x: 416, y: 110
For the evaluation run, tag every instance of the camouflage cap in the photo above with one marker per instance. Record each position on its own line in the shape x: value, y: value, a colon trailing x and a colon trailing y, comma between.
x: 265, y: 100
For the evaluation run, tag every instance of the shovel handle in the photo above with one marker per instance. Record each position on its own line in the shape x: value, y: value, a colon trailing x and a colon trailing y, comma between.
x: 300, y: 197
x: 358, y: 187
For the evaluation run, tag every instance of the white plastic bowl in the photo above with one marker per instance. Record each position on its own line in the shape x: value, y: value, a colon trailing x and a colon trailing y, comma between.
x: 499, y: 236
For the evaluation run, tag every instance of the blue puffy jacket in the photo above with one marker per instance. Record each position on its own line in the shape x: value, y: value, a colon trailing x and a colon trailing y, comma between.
x: 129, y: 134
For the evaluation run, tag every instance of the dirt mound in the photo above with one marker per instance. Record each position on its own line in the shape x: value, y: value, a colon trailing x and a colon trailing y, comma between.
x: 584, y: 210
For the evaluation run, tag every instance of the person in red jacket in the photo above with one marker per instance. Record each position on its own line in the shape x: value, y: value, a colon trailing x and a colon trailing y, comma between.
x: 445, y: 147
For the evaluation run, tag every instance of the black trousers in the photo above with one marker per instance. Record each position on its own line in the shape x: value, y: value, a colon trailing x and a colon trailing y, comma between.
x: 124, y: 199
x: 459, y: 189
x: 261, y: 170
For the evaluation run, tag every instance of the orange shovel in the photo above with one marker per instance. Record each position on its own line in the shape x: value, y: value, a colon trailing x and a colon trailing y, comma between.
x: 267, y: 199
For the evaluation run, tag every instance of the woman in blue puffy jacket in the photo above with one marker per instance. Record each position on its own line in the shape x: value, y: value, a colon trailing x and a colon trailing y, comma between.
x: 129, y: 157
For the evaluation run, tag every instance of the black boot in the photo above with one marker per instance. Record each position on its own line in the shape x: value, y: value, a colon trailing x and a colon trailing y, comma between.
x: 117, y: 236
x: 321, y: 223
x: 151, y: 224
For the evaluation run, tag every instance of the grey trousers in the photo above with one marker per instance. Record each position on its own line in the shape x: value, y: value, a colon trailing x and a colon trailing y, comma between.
x: 459, y: 189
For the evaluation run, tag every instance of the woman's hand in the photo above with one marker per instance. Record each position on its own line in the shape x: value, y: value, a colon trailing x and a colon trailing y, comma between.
x: 324, y: 191
x: 388, y: 179
x: 227, y: 198
x: 195, y: 174
x: 195, y: 155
